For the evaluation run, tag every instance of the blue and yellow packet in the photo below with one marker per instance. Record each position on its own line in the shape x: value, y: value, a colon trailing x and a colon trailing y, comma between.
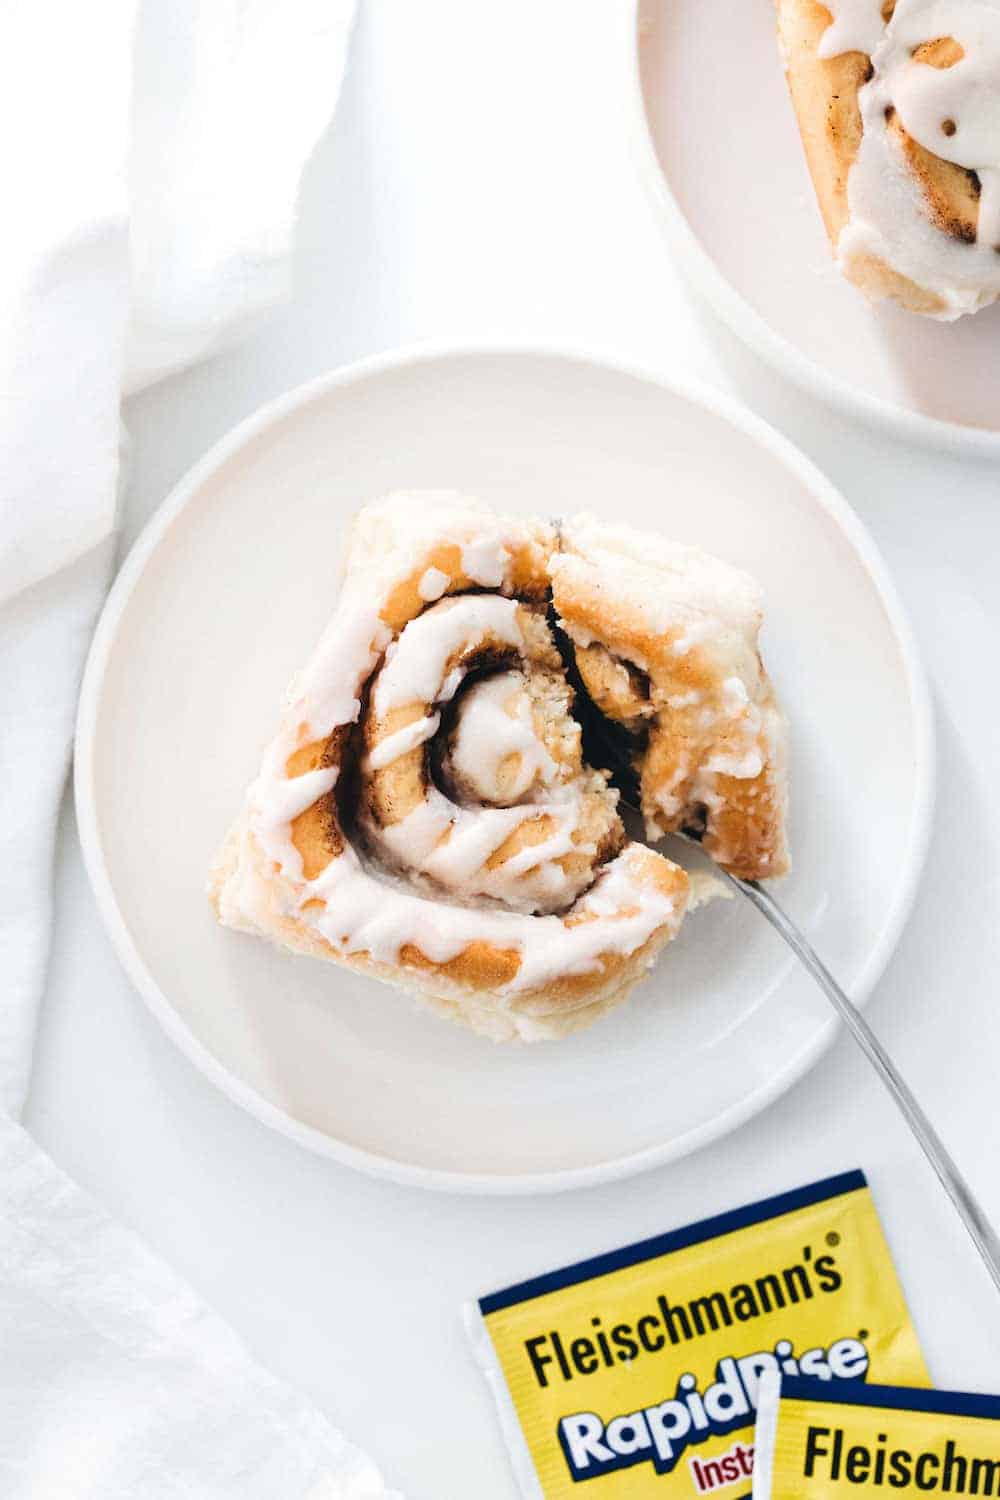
x: 628, y: 1371
x: 821, y: 1442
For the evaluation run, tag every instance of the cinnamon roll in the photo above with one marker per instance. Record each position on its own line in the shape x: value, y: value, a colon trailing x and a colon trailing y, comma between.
x: 426, y: 813
x: 898, y: 104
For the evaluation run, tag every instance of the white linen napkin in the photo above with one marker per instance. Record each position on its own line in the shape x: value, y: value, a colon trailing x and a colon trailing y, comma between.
x: 116, y: 1383
x: 153, y: 153
x: 150, y: 210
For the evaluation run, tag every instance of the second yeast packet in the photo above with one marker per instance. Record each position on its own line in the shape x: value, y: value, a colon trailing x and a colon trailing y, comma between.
x: 637, y: 1372
x: 819, y: 1442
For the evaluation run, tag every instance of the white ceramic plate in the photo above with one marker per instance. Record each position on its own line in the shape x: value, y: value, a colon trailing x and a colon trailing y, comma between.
x: 719, y: 148
x: 222, y: 598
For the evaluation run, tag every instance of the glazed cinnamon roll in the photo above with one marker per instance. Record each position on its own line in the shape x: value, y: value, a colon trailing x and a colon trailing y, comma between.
x: 898, y: 104
x: 426, y: 814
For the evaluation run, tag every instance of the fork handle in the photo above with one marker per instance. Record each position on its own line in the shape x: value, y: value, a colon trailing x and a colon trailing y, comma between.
x: 981, y: 1231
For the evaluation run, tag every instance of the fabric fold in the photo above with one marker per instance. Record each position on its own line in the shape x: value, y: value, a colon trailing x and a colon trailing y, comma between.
x: 124, y: 1383
x: 151, y: 186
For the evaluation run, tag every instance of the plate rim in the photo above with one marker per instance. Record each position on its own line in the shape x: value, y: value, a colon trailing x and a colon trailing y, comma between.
x: 185, y: 491
x: 955, y: 438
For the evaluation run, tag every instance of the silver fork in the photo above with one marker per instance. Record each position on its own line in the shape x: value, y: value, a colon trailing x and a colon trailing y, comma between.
x: 610, y: 753
x: 981, y: 1231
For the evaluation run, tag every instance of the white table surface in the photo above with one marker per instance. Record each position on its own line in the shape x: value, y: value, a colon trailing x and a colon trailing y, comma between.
x: 477, y: 182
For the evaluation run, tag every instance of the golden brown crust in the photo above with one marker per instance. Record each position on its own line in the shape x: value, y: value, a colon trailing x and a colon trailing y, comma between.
x: 825, y: 96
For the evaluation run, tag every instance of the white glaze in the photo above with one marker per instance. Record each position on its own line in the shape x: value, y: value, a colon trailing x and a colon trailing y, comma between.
x: 361, y: 915
x: 856, y: 26
x: 495, y: 748
x: 888, y: 217
x: 452, y: 846
x: 402, y: 742
x: 432, y: 584
x: 416, y: 670
x: 967, y: 95
x: 277, y: 802
x: 485, y: 559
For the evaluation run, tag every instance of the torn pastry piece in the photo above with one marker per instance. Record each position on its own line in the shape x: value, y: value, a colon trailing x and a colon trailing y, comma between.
x: 424, y: 814
x: 898, y: 105
x: 665, y: 640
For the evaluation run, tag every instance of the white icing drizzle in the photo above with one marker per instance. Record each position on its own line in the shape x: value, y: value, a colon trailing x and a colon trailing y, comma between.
x: 359, y: 915
x: 452, y: 845
x: 495, y: 749
x: 953, y: 112
x: 415, y: 671
x: 432, y: 585
x: 485, y: 560
x: 966, y: 95
x: 857, y: 26
x: 448, y: 842
x: 402, y: 742
x: 278, y: 802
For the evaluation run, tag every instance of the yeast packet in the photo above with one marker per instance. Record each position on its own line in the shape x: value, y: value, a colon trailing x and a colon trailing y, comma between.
x: 828, y: 1442
x: 636, y: 1373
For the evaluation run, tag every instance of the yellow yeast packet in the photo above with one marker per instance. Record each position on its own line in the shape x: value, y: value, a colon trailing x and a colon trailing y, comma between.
x: 820, y: 1442
x: 631, y: 1372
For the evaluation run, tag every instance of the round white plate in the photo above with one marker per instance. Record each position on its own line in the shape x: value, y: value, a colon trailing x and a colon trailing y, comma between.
x: 720, y: 150
x: 221, y: 600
